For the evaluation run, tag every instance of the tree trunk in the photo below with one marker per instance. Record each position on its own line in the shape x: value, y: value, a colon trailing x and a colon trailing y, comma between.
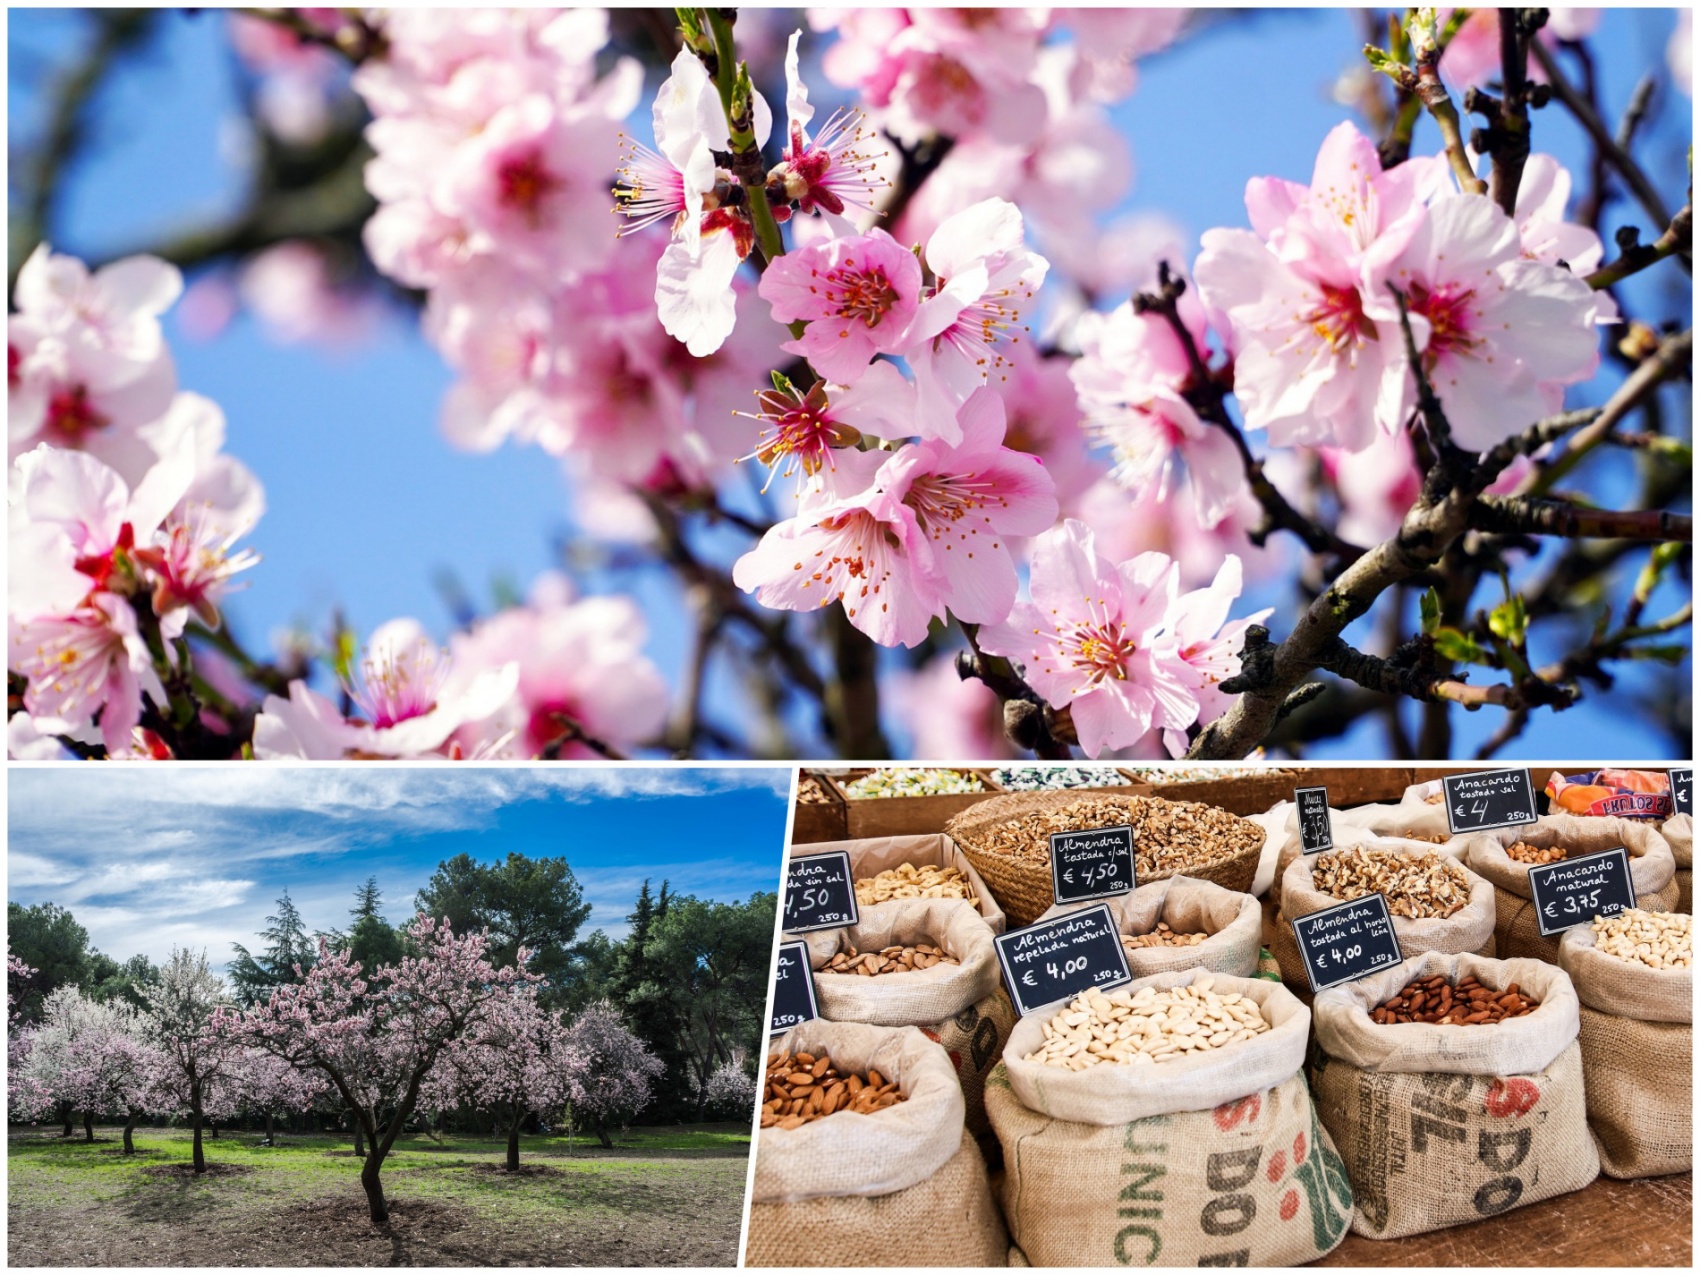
x: 271, y: 1125
x: 215, y: 1128
x: 513, y: 1147
x: 129, y: 1129
x: 200, y: 1155
x: 602, y: 1136
x: 374, y: 1189
x: 88, y: 1126
x: 65, y: 1114
x: 359, y: 1139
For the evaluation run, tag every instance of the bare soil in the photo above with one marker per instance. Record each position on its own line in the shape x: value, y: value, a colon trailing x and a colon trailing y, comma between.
x: 660, y: 1198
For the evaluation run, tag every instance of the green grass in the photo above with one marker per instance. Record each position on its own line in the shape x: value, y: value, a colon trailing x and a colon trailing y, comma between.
x: 659, y: 1196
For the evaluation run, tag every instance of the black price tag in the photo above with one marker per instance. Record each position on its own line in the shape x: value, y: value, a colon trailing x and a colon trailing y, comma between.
x: 1058, y: 959
x: 1682, y: 792
x: 1316, y: 830
x: 1574, y: 891
x: 1347, y: 941
x: 1094, y: 863
x: 793, y: 989
x: 1488, y: 799
x: 819, y: 893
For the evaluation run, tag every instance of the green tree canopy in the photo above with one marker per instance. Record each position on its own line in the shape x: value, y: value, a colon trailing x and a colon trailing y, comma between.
x: 48, y: 939
x: 288, y: 945
x: 522, y: 902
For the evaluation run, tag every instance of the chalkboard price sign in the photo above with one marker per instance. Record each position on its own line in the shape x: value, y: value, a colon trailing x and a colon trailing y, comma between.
x: 1093, y: 864
x: 1682, y: 792
x: 1058, y: 959
x: 1574, y: 891
x: 819, y: 893
x: 1348, y: 941
x: 793, y: 989
x: 1488, y: 799
x: 1316, y: 829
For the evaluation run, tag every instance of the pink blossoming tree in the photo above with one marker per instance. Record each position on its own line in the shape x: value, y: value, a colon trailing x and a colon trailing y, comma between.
x: 197, y: 1060
x: 376, y: 1037
x: 610, y: 1072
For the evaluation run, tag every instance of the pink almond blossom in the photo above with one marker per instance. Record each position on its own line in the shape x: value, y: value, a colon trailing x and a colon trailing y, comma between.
x: 858, y: 294
x: 1208, y: 645
x: 835, y: 169
x: 1132, y: 378
x: 983, y: 277
x: 1093, y: 640
x: 1503, y: 334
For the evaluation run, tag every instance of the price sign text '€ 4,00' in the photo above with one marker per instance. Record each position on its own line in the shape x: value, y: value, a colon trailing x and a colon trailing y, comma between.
x: 1058, y: 959
x: 1347, y: 941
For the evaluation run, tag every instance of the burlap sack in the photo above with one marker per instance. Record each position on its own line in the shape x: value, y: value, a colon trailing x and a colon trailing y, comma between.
x: 1410, y: 814
x: 1470, y: 929
x: 949, y: 1219
x: 917, y: 997
x: 1115, y: 1095
x: 1445, y: 1125
x: 1197, y: 1162
x: 962, y: 1007
x: 873, y: 855
x: 1233, y: 921
x: 1678, y: 832
x: 1517, y: 929
x: 854, y: 1154
x: 1637, y: 1042
x: 1356, y: 828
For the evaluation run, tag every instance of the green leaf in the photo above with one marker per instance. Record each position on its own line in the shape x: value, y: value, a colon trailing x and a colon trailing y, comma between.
x: 782, y: 383
x: 1450, y: 644
x: 1430, y: 610
x: 1383, y: 61
x: 1510, y: 620
x: 1672, y: 653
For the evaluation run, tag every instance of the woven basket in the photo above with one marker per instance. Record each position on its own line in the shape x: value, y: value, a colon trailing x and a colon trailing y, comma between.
x: 1023, y: 887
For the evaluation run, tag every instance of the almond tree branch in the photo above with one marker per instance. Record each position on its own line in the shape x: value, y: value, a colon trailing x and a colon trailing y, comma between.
x: 1519, y: 516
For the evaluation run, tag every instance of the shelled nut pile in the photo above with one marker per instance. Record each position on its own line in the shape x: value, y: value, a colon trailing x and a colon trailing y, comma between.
x: 906, y: 881
x: 1661, y: 940
x: 810, y: 792
x: 1523, y: 852
x: 1468, y: 1004
x: 910, y: 781
x: 1433, y: 838
x: 1039, y: 778
x: 1147, y: 1026
x: 1435, y: 798
x: 1421, y: 885
x: 899, y: 958
x: 1169, y: 837
x: 1162, y: 936
x: 802, y: 1087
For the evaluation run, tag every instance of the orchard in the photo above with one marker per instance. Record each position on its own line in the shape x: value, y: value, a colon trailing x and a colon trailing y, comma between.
x: 879, y: 410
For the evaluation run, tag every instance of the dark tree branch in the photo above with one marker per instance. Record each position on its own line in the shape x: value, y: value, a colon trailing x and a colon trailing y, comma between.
x: 1517, y: 516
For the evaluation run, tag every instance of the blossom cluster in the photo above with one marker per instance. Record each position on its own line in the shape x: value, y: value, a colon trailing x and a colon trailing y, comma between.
x: 123, y: 510
x: 125, y: 516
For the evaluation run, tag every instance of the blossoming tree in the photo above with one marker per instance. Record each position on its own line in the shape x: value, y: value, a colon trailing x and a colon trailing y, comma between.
x: 609, y: 1072
x: 196, y: 1059
x: 376, y: 1037
x: 1013, y: 447
x: 516, y: 1065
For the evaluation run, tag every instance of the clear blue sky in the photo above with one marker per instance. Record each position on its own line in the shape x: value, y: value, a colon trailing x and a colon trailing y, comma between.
x: 367, y: 502
x: 195, y: 856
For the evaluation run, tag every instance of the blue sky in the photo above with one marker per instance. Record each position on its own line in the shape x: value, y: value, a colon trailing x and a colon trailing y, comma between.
x: 149, y: 858
x: 368, y: 503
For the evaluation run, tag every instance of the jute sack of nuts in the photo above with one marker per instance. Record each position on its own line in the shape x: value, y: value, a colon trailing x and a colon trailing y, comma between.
x: 1637, y: 1058
x: 1211, y: 1160
x: 871, y: 856
x: 1678, y: 832
x: 1350, y: 832
x: 961, y: 1006
x: 1233, y: 921
x: 903, y: 1187
x: 1444, y: 1125
x: 1517, y: 929
x: 1469, y: 929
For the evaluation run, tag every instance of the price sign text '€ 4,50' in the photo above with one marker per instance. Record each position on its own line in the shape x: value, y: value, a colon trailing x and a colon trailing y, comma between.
x: 819, y: 893
x: 1094, y: 863
x: 1058, y: 959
